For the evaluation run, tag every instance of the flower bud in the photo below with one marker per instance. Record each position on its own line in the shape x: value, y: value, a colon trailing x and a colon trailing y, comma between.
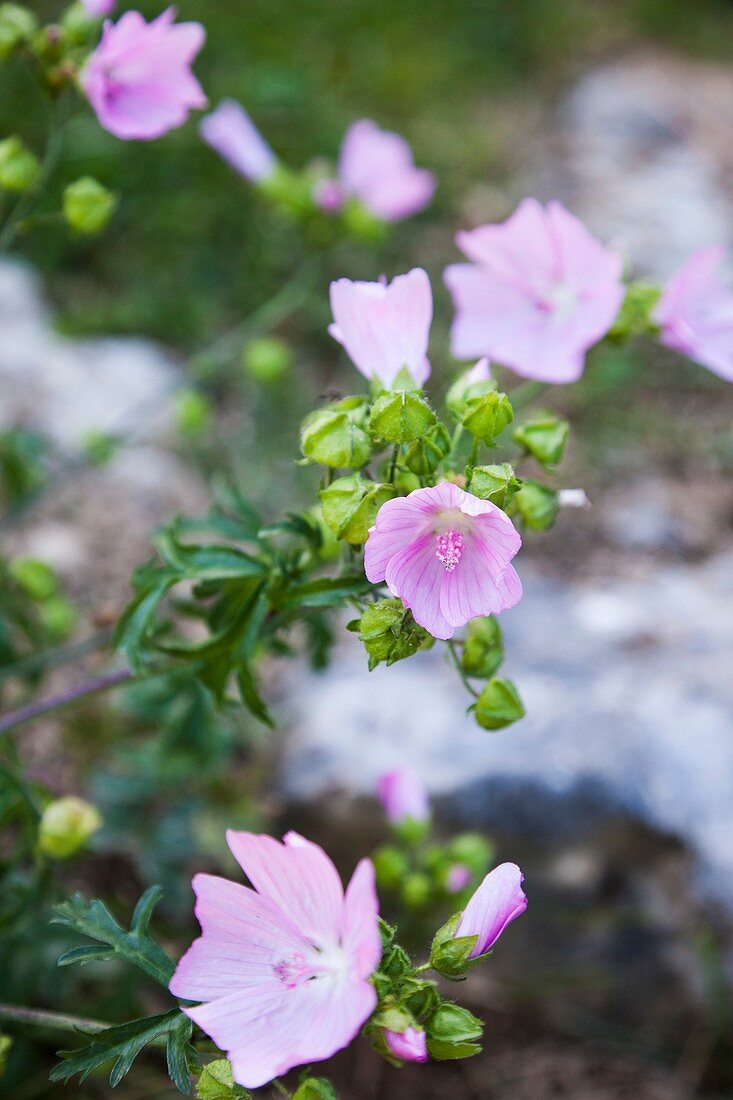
x: 191, y: 412
x: 487, y: 416
x: 17, y: 25
x: 267, y: 360
x: 497, y: 483
x: 35, y: 577
x: 416, y: 890
x: 536, y: 505
x: 288, y: 191
x: 544, y: 437
x: 216, y: 1081
x: 453, y: 1033
x: 19, y: 167
x: 88, y: 206
x: 425, y: 455
x: 350, y: 505
x: 335, y: 436
x: 409, y: 1045
x: 472, y: 383
x: 58, y: 616
x: 315, y: 1088
x: 400, y: 417
x: 498, y: 705
x: 390, y: 633
x: 457, y: 878
x: 403, y: 796
x: 483, y: 650
x: 66, y: 825
x: 496, y: 903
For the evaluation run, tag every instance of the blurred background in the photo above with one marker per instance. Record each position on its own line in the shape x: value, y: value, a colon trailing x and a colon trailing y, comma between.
x: 119, y: 399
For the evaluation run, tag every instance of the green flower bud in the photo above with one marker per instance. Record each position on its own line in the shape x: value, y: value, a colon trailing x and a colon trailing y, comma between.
x: 406, y: 482
x: 315, y: 1088
x: 498, y: 705
x: 267, y: 360
x: 350, y: 505
x: 497, y: 483
x: 453, y: 1032
x: 425, y: 455
x: 635, y: 315
x: 34, y: 577
x: 191, y: 412
x: 544, y: 437
x: 449, y: 954
x: 17, y: 25
x: 19, y: 167
x: 5, y: 1044
x: 216, y: 1082
x: 536, y: 505
x: 400, y: 417
x: 483, y: 650
x: 361, y: 223
x: 390, y: 633
x: 66, y: 825
x: 58, y: 616
x: 486, y: 417
x: 463, y: 390
x: 291, y: 192
x: 335, y: 436
x: 416, y: 890
x: 88, y: 206
x: 391, y: 867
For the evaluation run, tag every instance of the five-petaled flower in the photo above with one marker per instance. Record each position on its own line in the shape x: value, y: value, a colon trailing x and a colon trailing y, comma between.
x: 540, y: 292
x: 695, y: 312
x: 376, y: 167
x: 446, y: 554
x: 496, y: 903
x: 385, y: 327
x: 139, y: 79
x: 233, y: 134
x: 283, y: 968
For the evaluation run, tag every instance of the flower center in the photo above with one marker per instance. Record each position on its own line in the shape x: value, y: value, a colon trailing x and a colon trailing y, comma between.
x: 449, y: 549
x: 293, y: 970
x: 561, y: 301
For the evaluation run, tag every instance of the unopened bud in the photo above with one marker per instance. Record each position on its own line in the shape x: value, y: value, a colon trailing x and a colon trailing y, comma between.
x: 66, y: 825
x: 453, y: 1032
x: 483, y: 650
x: 350, y: 505
x: 267, y: 360
x: 497, y: 483
x: 19, y: 167
x: 536, y: 505
x: 88, y: 206
x: 336, y: 437
x: 544, y: 437
x: 390, y: 633
x: 487, y: 416
x: 498, y: 705
x: 400, y: 417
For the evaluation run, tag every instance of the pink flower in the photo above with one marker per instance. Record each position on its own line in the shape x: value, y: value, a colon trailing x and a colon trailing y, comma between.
x: 409, y: 1045
x: 230, y: 131
x: 139, y: 79
x: 98, y: 8
x: 283, y: 968
x: 403, y: 796
x: 446, y: 555
x: 458, y: 878
x: 385, y: 327
x: 497, y: 902
x: 377, y: 167
x: 695, y: 312
x: 540, y: 293
x: 481, y: 372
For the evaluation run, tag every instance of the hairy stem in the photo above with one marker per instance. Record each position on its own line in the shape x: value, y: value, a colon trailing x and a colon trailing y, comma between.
x: 50, y: 1021
x: 452, y: 649
x: 55, y: 702
x: 52, y: 658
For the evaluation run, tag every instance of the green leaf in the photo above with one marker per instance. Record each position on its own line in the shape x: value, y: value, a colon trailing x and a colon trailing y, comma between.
x: 498, y: 705
x: 251, y: 697
x: 137, y: 618
x: 93, y: 919
x: 325, y: 592
x: 217, y: 1083
x: 124, y: 1042
x: 315, y: 1088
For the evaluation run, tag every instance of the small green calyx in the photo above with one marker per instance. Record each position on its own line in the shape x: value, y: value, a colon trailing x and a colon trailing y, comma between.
x: 536, y: 505
x: 498, y: 705
x: 635, y: 317
x: 217, y: 1083
x: 426, y: 454
x: 88, y: 205
x: 544, y: 437
x: 17, y: 27
x: 486, y: 416
x: 350, y: 505
x: 315, y: 1088
x: 400, y: 417
x: 66, y: 826
x: 453, y: 1032
x: 483, y: 650
x: 449, y: 954
x: 390, y: 633
x: 497, y: 483
x: 336, y: 437
x: 19, y: 167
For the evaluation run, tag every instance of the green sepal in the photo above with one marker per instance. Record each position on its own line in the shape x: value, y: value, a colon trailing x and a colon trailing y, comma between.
x: 496, y: 482
x: 536, y: 505
x: 498, y: 705
x: 350, y: 505
x: 449, y: 954
x: 453, y: 1032
x: 544, y: 437
x: 426, y: 454
x: 487, y: 416
x: 216, y: 1082
x: 336, y: 437
x: 463, y: 390
x: 635, y: 318
x: 483, y: 649
x: 400, y: 417
x: 390, y: 633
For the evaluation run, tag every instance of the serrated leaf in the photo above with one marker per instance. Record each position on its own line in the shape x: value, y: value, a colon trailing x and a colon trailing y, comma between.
x: 123, y: 1043
x: 93, y: 919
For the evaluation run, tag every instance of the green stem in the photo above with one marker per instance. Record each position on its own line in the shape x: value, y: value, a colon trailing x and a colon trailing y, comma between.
x: 393, y: 465
x: 460, y: 670
x: 50, y: 1021
x: 474, y: 453
x: 280, y: 1087
x: 29, y: 199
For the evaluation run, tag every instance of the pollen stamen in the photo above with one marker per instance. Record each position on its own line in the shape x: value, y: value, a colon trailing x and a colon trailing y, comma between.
x: 450, y: 548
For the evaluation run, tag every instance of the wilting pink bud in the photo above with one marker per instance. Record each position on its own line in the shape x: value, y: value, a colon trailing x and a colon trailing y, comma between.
x: 695, y: 312
x: 98, y: 8
x: 383, y: 326
x: 496, y: 903
x: 139, y: 79
x: 230, y: 131
x: 446, y: 554
x: 377, y: 167
x: 539, y: 293
x: 403, y: 796
x: 409, y: 1045
x: 458, y: 878
x: 282, y: 969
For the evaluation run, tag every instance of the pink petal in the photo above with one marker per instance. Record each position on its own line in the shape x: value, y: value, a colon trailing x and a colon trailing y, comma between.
x: 416, y: 575
x: 497, y: 902
x: 377, y: 167
x: 230, y: 131
x: 403, y: 796
x: 400, y: 521
x: 409, y: 1045
x: 359, y: 926
x: 298, y: 877
x: 695, y: 312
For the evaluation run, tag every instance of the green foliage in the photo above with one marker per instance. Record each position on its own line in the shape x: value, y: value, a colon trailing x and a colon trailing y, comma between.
x: 93, y: 919
x: 635, y: 315
x: 350, y: 505
x: 389, y: 632
x: 544, y: 437
x: 498, y: 705
x: 483, y: 649
x: 124, y: 1042
x: 315, y: 1088
x: 22, y: 467
x: 336, y: 436
x: 400, y: 417
x: 217, y: 1083
x: 88, y: 206
x: 535, y: 505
